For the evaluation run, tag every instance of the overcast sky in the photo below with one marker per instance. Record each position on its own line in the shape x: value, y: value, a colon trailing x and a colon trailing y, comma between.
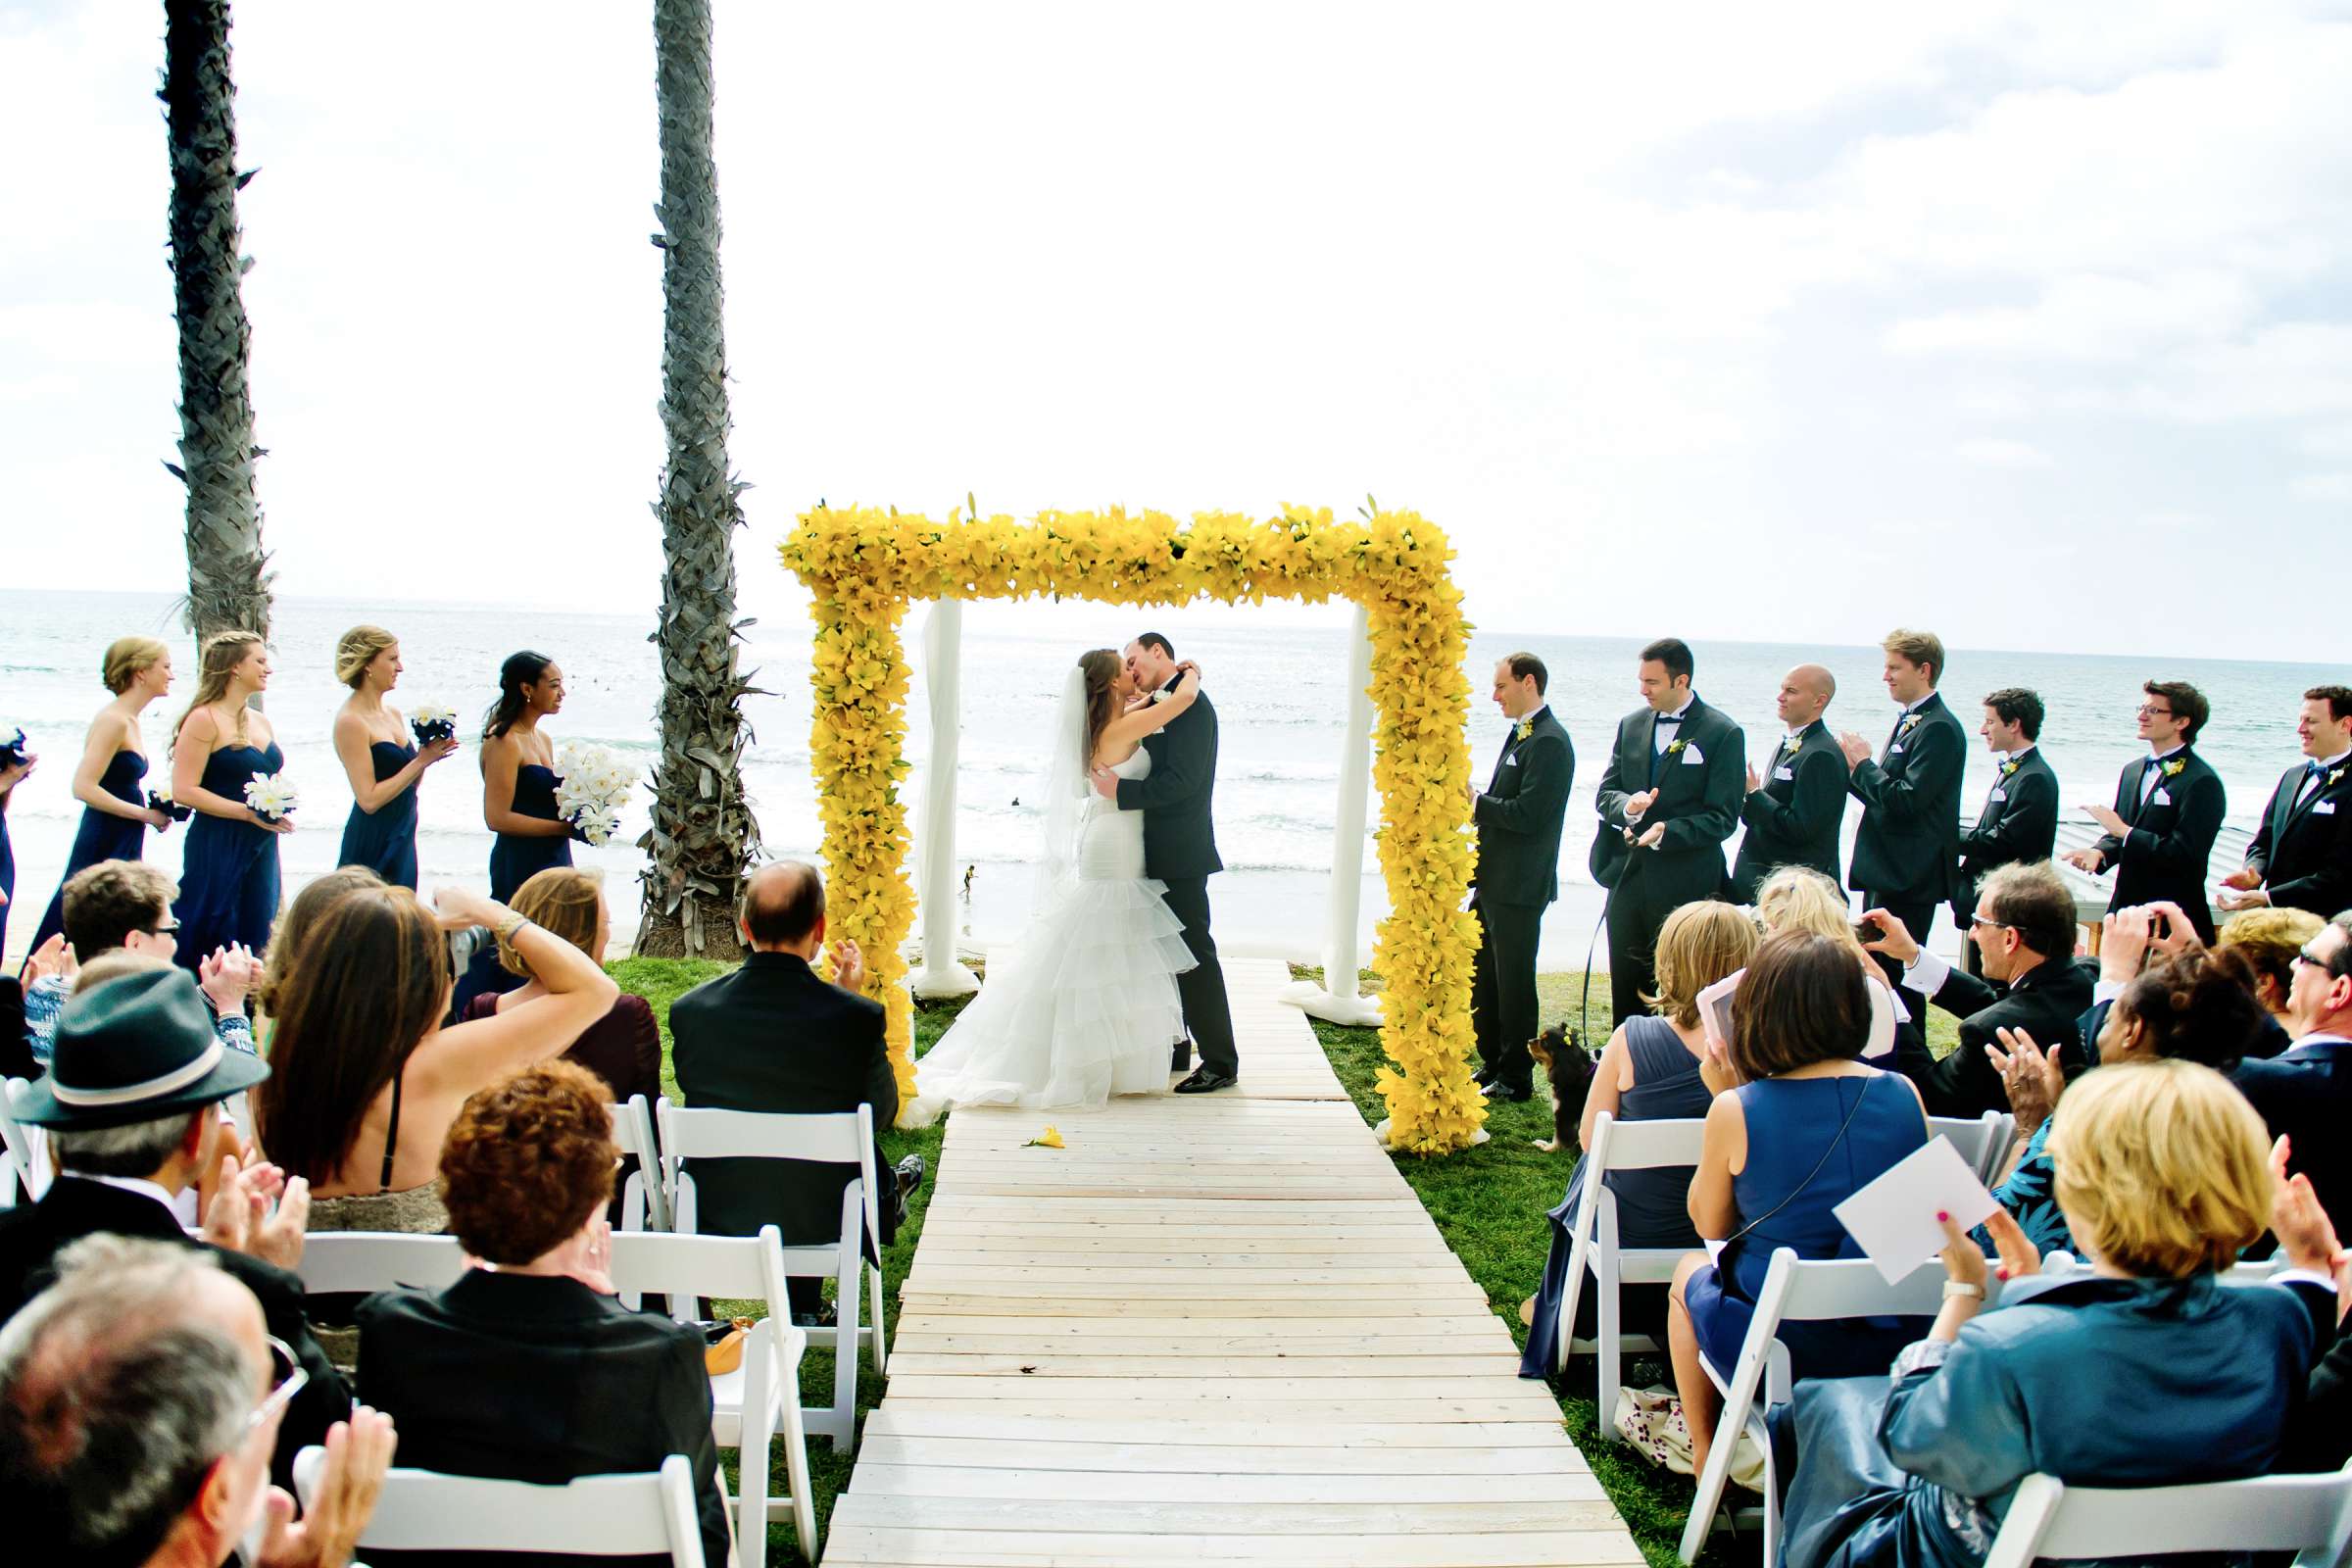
x: 2032, y: 324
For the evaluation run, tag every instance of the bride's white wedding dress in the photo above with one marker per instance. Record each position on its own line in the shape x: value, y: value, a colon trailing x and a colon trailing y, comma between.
x: 1083, y: 1007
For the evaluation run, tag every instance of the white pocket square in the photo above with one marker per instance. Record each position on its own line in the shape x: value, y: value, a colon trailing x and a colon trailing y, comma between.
x: 1783, y: 772
x: 2323, y: 809
x: 1511, y: 761
x: 2160, y: 798
x: 1691, y: 757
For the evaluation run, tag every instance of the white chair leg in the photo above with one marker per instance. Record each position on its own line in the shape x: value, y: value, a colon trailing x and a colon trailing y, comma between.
x: 1608, y: 1303
x: 845, y: 1295
x: 874, y: 1281
x: 796, y: 1466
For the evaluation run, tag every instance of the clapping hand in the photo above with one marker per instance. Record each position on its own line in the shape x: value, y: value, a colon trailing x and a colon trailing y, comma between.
x: 51, y: 958
x: 2235, y: 899
x: 1651, y: 836
x: 2031, y: 1077
x: 2086, y: 860
x: 2305, y: 1234
x: 241, y: 1220
x: 358, y: 1453
x: 849, y: 965
x: 227, y: 976
x: 2123, y: 943
x: 1754, y: 781
x: 1855, y: 747
x: 2109, y: 819
x: 1638, y: 802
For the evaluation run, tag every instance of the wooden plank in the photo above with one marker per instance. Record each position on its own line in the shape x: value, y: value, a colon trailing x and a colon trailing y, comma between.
x: 1182, y: 1464
x: 1451, y: 1410
x: 879, y: 1477
x: 1376, y: 1432
x: 1062, y: 1362
x: 1523, y: 1548
x: 1219, y: 1518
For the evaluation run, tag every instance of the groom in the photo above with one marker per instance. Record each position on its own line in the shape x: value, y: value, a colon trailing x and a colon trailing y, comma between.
x: 1180, y: 848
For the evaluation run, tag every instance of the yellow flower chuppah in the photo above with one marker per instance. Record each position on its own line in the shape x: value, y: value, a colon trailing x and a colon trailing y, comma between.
x: 866, y: 566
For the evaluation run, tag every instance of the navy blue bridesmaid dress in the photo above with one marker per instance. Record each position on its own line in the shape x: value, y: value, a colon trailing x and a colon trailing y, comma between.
x: 7, y: 874
x: 101, y: 835
x: 228, y: 875
x: 516, y: 860
x: 386, y: 842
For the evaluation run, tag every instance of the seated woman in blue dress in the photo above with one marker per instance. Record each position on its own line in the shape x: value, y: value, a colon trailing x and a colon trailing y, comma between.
x: 2145, y: 1371
x: 109, y: 781
x: 1647, y: 1072
x: 384, y: 766
x: 228, y: 879
x: 1799, y: 1124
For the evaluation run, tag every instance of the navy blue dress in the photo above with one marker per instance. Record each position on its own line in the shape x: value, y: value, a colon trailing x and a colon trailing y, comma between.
x: 516, y: 860
x: 1841, y: 1132
x: 1653, y: 1207
x: 8, y: 874
x: 386, y: 842
x: 228, y: 873
x: 101, y: 835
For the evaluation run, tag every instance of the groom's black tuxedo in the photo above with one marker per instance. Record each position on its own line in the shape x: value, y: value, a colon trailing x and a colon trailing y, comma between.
x: 1699, y: 776
x: 2019, y: 824
x: 1180, y: 848
x: 1518, y: 873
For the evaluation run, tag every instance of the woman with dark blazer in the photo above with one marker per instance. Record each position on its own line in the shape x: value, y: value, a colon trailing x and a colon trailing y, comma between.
x: 527, y: 1368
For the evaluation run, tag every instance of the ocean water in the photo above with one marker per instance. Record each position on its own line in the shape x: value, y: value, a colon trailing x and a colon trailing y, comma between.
x: 1277, y: 682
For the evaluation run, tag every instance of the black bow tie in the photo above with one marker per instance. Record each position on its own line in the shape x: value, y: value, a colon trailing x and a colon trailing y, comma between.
x: 1670, y: 719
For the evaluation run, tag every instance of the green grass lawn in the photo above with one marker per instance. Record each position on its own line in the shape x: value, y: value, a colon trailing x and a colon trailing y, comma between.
x: 1489, y: 1203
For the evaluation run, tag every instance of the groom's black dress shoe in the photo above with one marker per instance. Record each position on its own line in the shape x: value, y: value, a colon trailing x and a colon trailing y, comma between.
x: 1501, y: 1091
x: 1181, y: 1059
x: 1205, y: 1081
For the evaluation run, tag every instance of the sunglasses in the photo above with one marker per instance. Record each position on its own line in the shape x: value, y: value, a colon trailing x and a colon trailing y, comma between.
x: 1976, y: 920
x: 286, y: 1379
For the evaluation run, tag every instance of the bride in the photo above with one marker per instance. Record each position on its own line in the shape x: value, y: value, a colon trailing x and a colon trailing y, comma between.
x: 1083, y: 1007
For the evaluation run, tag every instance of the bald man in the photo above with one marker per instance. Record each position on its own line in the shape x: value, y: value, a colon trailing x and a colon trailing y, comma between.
x: 1795, y: 809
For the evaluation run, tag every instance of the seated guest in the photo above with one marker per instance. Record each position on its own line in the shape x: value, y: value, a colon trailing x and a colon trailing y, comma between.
x: 2090, y: 1377
x: 2319, y: 1433
x: 2305, y: 1094
x: 1647, y: 1072
x: 366, y: 1081
x: 623, y: 1048
x: 132, y: 1110
x: 2197, y: 1006
x: 293, y: 925
x: 1797, y: 898
x: 2300, y: 857
x: 125, y: 906
x: 2025, y: 929
x: 141, y: 1396
x: 2269, y: 940
x: 527, y: 1368
x: 1799, y: 1124
x: 772, y: 1036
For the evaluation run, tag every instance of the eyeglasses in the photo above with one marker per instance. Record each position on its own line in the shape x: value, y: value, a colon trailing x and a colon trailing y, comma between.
x: 167, y: 928
x: 287, y: 1378
x: 1976, y: 920
x: 2151, y: 711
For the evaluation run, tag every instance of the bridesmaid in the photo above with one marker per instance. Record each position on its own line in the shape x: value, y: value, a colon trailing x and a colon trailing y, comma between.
x: 385, y: 766
x: 109, y: 782
x: 518, y: 775
x: 12, y: 773
x: 228, y: 872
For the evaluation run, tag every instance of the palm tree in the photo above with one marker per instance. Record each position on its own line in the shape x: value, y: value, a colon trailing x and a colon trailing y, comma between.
x: 703, y: 834
x: 229, y: 576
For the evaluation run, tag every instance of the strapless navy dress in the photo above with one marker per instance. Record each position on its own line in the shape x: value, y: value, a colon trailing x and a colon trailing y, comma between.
x: 385, y: 842
x: 516, y: 860
x: 102, y: 837
x: 228, y: 883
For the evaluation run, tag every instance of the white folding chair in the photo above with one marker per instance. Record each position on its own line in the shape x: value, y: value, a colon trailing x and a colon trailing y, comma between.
x: 644, y: 1197
x: 2049, y: 1521
x: 1983, y: 1142
x: 2260, y: 1272
x: 605, y: 1516
x: 1595, y: 1246
x: 840, y: 1138
x: 359, y: 1262
x: 28, y: 1152
x: 1795, y: 1290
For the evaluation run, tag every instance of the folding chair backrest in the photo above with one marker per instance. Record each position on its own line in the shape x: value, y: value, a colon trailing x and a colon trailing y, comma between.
x: 834, y: 1138
x: 359, y: 1262
x: 684, y: 1267
x: 2048, y: 1520
x: 1646, y: 1145
x: 644, y: 1196
x: 1846, y: 1288
x: 1971, y: 1136
x: 646, y: 1514
x: 633, y: 1129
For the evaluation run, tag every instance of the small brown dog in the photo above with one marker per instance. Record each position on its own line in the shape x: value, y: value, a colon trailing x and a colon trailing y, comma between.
x: 1569, y: 1071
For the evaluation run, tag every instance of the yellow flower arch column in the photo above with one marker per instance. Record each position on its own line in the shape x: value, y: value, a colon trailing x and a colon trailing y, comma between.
x: 865, y: 568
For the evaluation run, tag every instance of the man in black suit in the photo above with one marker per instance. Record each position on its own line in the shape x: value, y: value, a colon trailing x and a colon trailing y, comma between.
x: 1180, y: 848
x: 1518, y: 816
x: 1669, y: 799
x: 2301, y: 855
x: 2167, y: 811
x: 134, y: 1116
x: 1906, y: 850
x: 2024, y: 925
x: 773, y: 1036
x: 2306, y: 1093
x: 1795, y: 815
x: 2019, y: 823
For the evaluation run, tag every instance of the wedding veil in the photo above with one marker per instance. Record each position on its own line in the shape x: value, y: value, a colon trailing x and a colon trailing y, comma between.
x: 1067, y: 785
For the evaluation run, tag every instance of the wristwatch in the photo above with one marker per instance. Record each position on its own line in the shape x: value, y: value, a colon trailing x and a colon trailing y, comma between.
x: 1956, y: 1289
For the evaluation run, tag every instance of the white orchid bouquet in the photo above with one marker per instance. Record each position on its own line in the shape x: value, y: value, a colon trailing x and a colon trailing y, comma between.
x: 433, y: 721
x: 160, y: 798
x: 594, y: 786
x: 273, y: 796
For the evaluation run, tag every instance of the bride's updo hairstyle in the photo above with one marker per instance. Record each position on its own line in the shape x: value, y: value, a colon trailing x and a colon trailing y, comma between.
x: 1101, y: 667
x: 515, y: 677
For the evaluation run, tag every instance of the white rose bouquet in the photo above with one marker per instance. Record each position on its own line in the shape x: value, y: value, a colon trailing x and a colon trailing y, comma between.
x: 594, y: 787
x: 433, y: 721
x: 160, y: 799
x: 273, y: 796
x: 14, y: 754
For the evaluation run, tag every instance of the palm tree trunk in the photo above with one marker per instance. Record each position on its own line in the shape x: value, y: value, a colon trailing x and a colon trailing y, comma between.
x: 703, y: 834
x: 229, y: 576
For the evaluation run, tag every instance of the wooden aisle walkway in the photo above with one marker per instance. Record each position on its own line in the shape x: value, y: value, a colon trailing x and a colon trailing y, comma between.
x: 1210, y: 1329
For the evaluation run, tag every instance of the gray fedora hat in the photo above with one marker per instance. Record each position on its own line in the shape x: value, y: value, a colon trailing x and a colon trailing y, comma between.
x: 136, y: 1048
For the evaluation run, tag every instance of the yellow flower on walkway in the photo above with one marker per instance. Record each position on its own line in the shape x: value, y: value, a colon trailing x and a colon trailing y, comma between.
x: 1050, y: 1137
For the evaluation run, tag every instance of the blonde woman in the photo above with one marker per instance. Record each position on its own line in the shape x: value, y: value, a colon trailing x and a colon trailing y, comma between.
x: 383, y: 765
x: 229, y: 882
x: 1797, y: 898
x: 623, y: 1048
x: 2142, y: 1371
x: 109, y: 781
x: 1649, y: 1071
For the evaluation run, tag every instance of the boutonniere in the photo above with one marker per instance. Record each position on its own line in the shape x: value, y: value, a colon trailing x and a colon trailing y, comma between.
x: 1793, y: 743
x: 1673, y: 747
x: 1161, y: 696
x: 2009, y: 767
x: 1910, y: 722
x: 2172, y: 769
x: 2336, y: 775
x: 1525, y: 728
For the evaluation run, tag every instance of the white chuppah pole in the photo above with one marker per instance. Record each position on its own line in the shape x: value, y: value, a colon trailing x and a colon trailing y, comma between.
x: 1340, y: 999
x: 942, y: 673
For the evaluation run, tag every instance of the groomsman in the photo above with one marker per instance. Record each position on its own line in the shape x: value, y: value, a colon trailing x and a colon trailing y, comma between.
x: 2301, y: 857
x: 2167, y: 811
x: 2019, y: 823
x: 1670, y: 798
x: 1795, y: 815
x: 1906, y: 851
x: 1518, y: 816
